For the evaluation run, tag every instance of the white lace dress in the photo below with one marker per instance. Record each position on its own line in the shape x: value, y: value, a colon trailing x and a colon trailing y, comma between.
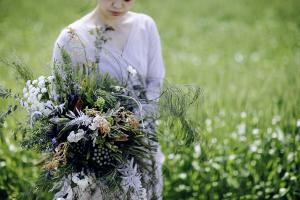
x: 142, y: 51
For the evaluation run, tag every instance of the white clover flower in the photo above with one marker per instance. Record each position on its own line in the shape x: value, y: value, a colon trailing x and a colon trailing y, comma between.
x: 75, y: 137
x: 255, y: 131
x: 276, y: 119
x: 131, y: 70
x: 195, y: 165
x: 214, y: 140
x: 280, y: 134
x: 253, y: 148
x: 298, y: 123
x: 171, y: 156
x: 182, y: 175
x: 209, y: 129
x: 197, y: 149
x: 238, y: 57
x: 243, y: 115
x: 208, y: 122
x: 241, y: 128
x: 231, y: 157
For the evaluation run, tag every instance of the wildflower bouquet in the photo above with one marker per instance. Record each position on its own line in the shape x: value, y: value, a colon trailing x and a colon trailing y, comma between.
x: 88, y: 130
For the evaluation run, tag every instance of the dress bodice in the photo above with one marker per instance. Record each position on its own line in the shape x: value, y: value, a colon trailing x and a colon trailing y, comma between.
x: 142, y: 51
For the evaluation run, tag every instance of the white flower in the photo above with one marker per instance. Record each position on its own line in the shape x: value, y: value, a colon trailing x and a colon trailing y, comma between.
x: 41, y: 79
x: 75, y: 137
x: 208, y: 122
x: 241, y: 128
x: 97, y: 122
x: 276, y: 119
x: 93, y: 126
x: 214, y: 140
x: 50, y: 78
x: 171, y: 156
x: 41, y: 84
x: 182, y: 175
x: 231, y: 157
x: 243, y: 115
x: 28, y: 83
x: 255, y: 131
x: 25, y: 90
x: 298, y: 123
x: 280, y: 134
x: 197, y: 150
x: 253, y: 148
x: 209, y: 129
x: 43, y: 90
x: 82, y: 180
x: 32, y: 90
x: 26, y: 95
x: 34, y: 82
x: 238, y: 57
x: 131, y: 70
x: 86, y: 120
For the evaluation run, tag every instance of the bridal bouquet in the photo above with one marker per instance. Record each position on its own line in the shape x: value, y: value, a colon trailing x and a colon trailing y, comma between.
x: 88, y: 129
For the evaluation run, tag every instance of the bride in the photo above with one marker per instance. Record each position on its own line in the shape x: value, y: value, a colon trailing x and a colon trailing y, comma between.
x: 134, y: 43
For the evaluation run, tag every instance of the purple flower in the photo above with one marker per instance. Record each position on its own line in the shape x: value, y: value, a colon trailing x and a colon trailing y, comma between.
x: 54, y: 141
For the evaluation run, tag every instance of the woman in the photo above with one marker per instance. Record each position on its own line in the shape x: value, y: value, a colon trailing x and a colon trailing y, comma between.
x: 134, y: 43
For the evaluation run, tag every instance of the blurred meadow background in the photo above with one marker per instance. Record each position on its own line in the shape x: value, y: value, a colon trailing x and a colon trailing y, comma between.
x: 244, y: 54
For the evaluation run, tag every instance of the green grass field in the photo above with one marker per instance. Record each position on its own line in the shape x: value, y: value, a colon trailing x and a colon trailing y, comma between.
x: 244, y: 54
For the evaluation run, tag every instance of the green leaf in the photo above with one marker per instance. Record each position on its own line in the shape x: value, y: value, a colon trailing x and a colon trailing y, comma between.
x: 4, y: 93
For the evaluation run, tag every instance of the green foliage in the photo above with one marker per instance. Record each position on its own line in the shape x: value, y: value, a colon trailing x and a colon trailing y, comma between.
x: 100, y: 102
x: 175, y: 104
x: 15, y: 182
x: 36, y: 137
x: 4, y: 93
x: 252, y: 163
x: 21, y: 69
